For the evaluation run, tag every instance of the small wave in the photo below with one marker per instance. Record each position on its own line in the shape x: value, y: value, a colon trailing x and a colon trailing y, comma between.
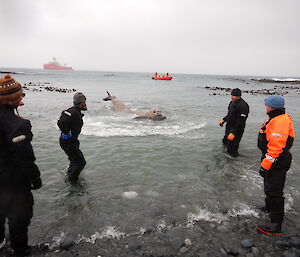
x: 286, y: 80
x: 57, y: 240
x: 289, y: 202
x: 277, y: 80
x: 111, y: 126
x: 206, y: 215
x: 110, y: 232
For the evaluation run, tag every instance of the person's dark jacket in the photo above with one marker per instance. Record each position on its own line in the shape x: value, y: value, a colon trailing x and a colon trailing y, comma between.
x: 71, y: 121
x: 237, y: 115
x: 18, y: 170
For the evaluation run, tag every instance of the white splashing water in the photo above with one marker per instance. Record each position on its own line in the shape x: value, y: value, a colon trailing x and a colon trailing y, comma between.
x: 110, y: 232
x: 57, y: 240
x: 206, y: 215
x: 130, y: 194
x: 110, y: 126
x: 289, y: 202
x: 202, y: 214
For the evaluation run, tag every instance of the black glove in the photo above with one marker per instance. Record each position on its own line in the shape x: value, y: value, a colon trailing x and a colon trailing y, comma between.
x: 36, y: 184
x: 262, y: 172
x: 221, y: 123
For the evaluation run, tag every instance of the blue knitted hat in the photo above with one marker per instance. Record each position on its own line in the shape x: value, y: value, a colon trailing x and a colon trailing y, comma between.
x: 275, y: 101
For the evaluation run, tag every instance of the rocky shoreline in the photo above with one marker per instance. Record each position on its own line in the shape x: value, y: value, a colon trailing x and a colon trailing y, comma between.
x: 237, y: 237
x: 45, y: 86
x: 280, y: 90
x: 288, y: 81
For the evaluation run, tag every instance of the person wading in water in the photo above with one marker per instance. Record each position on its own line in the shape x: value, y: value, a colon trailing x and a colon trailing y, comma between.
x: 70, y: 124
x: 235, y: 119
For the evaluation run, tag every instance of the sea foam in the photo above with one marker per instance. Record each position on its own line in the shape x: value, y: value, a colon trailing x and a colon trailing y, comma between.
x: 104, y: 126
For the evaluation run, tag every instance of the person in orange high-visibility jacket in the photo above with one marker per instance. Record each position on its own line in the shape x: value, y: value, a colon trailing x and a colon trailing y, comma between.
x: 275, y: 139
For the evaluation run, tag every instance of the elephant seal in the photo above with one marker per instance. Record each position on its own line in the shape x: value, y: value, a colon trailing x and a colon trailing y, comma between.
x: 119, y: 106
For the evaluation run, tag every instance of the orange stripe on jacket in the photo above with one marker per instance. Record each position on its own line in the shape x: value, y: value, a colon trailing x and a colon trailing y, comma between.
x: 277, y: 132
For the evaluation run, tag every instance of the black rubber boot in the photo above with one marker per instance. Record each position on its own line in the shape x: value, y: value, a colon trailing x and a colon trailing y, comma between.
x: 2, y: 243
x: 233, y: 154
x: 22, y: 253
x: 270, y: 229
x: 264, y: 209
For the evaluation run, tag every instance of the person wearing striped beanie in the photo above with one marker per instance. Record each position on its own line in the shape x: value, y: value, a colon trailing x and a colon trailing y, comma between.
x: 11, y: 91
x: 18, y: 172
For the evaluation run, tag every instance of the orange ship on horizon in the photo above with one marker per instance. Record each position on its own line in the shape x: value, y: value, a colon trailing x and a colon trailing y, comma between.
x: 55, y: 65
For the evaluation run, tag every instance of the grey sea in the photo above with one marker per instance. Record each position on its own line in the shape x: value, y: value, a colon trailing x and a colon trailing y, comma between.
x: 148, y: 186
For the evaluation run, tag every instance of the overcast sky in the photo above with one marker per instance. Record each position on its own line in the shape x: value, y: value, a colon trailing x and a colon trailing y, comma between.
x: 242, y: 37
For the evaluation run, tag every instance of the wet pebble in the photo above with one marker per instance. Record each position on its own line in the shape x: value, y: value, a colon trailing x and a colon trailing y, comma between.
x: 43, y: 247
x: 223, y: 252
x: 188, y: 242
x: 233, y: 252
x: 247, y: 243
x: 64, y: 254
x: 283, y: 243
x: 175, y: 236
x: 295, y: 242
x: 183, y: 249
x: 134, y: 245
x: 176, y: 243
x: 203, y: 255
x: 289, y: 254
x: 241, y: 251
x: 224, y: 227
x: 255, y: 250
x: 67, y: 244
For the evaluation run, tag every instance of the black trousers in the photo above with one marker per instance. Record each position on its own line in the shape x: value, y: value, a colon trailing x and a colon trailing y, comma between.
x: 232, y: 146
x: 17, y: 208
x: 273, y: 186
x: 76, y: 158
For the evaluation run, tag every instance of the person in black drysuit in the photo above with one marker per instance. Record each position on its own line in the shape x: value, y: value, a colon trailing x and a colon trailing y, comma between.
x: 70, y: 124
x: 18, y: 172
x: 238, y: 111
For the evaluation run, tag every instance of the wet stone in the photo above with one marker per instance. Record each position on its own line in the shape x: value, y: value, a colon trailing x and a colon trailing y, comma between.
x: 247, y: 243
x: 255, y: 250
x: 233, y: 252
x: 203, y: 255
x: 183, y: 250
x: 242, y: 251
x: 134, y: 245
x: 67, y: 244
x: 188, y: 242
x: 176, y: 232
x: 283, y: 244
x: 289, y: 254
x: 176, y: 243
x: 64, y: 254
x: 175, y: 236
x: 223, y: 252
x: 148, y: 230
x: 295, y: 242
x: 223, y: 228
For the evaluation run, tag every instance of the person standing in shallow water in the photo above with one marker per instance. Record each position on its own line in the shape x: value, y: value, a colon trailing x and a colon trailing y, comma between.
x: 18, y: 172
x: 70, y: 124
x: 275, y: 140
x: 235, y: 119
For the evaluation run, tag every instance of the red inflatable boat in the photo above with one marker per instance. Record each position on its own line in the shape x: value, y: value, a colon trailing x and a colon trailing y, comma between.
x: 165, y: 77
x: 162, y: 78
